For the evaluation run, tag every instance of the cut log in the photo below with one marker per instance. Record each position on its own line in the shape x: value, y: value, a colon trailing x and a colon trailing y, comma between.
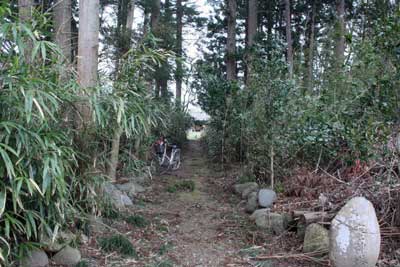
x: 315, y: 217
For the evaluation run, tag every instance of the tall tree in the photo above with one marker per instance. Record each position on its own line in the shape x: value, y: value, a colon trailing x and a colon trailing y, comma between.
x: 25, y: 12
x: 289, y: 37
x: 125, y: 15
x: 88, y: 45
x: 130, y: 15
x: 62, y: 16
x: 309, y: 51
x: 252, y: 22
x: 231, y: 41
x: 179, y: 51
x: 340, y: 32
x: 155, y: 14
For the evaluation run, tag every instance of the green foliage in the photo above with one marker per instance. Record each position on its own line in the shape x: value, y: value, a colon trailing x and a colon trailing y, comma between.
x: 185, y: 185
x: 137, y: 221
x: 36, y: 158
x: 82, y: 264
x: 165, y: 248
x: 177, y: 123
x: 117, y: 243
x: 347, y: 115
x: 50, y: 170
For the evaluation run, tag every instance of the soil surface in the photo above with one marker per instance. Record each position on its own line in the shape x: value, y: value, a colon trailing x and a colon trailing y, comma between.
x: 206, y: 226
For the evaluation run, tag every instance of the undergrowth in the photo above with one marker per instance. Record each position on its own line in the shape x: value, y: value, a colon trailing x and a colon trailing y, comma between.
x: 186, y: 185
x: 117, y: 243
x: 137, y: 221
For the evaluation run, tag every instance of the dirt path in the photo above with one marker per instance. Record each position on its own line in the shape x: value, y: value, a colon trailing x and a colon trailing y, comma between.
x: 199, y: 221
x: 204, y: 227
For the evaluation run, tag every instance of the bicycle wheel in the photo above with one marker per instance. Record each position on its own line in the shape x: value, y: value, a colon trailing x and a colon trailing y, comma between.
x: 176, y: 162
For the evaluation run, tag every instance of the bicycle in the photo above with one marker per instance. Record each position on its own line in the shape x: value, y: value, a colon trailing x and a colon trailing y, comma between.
x: 162, y: 162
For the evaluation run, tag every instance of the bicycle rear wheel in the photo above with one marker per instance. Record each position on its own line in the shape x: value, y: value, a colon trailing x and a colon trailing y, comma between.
x: 176, y: 162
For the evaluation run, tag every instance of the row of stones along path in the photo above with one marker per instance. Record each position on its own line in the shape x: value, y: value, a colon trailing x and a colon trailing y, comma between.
x: 203, y: 228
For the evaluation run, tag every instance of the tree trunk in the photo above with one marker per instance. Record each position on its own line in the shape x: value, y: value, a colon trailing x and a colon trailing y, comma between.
x: 231, y: 41
x: 88, y: 44
x: 62, y: 16
x: 25, y: 12
x: 155, y: 15
x: 179, y: 52
x: 114, y: 155
x: 289, y: 38
x: 131, y: 15
x: 145, y: 22
x: 309, y: 54
x: 252, y: 20
x: 340, y: 32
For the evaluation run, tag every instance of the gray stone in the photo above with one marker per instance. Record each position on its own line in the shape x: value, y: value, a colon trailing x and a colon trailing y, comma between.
x: 96, y: 225
x: 246, y: 192
x: 239, y: 188
x: 273, y: 223
x: 132, y: 189
x: 67, y: 256
x: 118, y: 198
x: 126, y: 200
x: 258, y: 213
x: 266, y: 197
x: 62, y: 239
x: 84, y: 239
x: 316, y: 239
x: 36, y: 258
x: 354, y: 235
x: 252, y: 203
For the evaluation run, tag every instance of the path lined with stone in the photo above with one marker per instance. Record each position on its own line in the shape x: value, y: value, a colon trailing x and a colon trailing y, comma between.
x: 197, y: 216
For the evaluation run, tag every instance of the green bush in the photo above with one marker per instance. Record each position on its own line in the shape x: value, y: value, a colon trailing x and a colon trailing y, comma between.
x: 117, y: 243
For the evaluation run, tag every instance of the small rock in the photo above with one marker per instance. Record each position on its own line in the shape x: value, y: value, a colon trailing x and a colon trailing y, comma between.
x: 84, y: 239
x: 49, y: 244
x: 36, y: 258
x: 266, y: 197
x: 132, y: 189
x: 252, y: 203
x: 248, y: 191
x: 258, y: 213
x: 67, y: 256
x: 271, y: 222
x: 62, y: 239
x: 316, y: 239
x: 96, y: 225
x: 355, y: 235
x: 126, y: 200
x: 239, y: 188
x: 118, y: 198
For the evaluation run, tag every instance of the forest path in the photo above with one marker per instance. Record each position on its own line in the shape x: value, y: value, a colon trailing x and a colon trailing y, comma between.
x: 201, y: 225
x: 181, y: 227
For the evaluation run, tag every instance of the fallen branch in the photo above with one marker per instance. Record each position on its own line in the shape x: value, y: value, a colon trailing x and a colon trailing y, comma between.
x: 311, y: 256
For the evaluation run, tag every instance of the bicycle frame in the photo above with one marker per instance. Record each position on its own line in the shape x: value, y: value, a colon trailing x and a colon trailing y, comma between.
x: 169, y: 161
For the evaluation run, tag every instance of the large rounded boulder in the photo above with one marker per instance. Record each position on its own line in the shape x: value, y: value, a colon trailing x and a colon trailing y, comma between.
x: 354, y: 236
x: 266, y: 197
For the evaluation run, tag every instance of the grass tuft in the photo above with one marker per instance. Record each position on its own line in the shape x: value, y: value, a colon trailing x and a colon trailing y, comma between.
x: 117, y: 243
x: 137, y: 221
x: 82, y: 264
x: 185, y: 185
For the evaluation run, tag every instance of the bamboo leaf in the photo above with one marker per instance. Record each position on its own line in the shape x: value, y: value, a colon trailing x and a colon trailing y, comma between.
x: 3, y: 200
